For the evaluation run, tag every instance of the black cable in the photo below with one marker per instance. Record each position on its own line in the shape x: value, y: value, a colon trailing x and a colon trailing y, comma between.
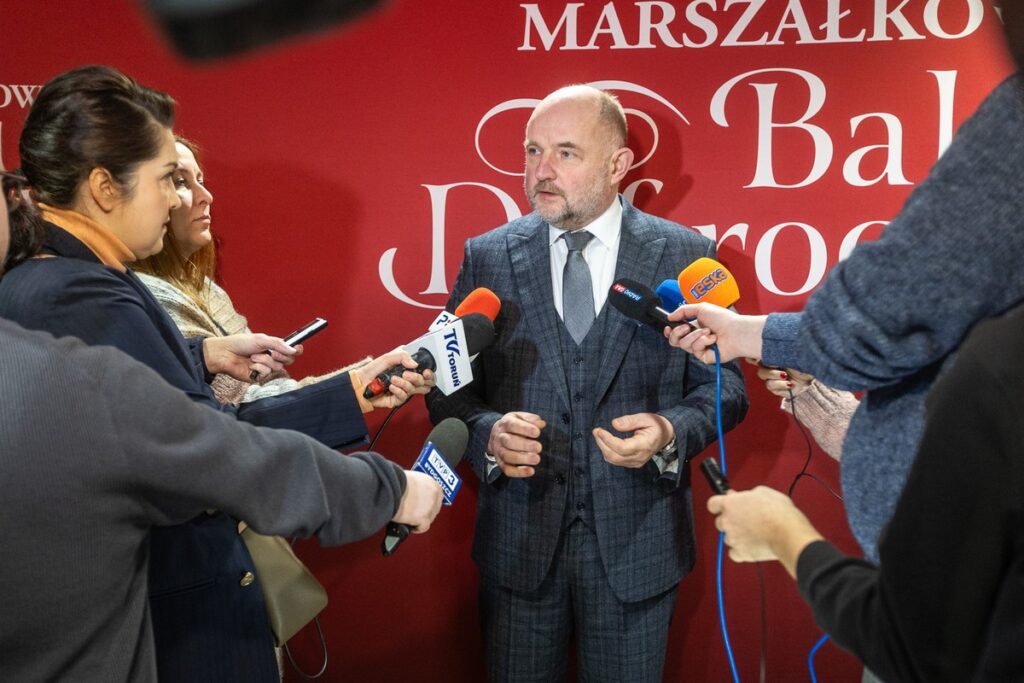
x: 383, y: 425
x: 807, y: 461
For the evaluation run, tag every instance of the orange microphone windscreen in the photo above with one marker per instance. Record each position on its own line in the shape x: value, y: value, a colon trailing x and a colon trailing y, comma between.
x: 480, y: 300
x: 707, y: 280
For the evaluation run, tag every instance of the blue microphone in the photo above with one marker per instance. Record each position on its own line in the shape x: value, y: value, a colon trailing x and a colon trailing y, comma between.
x: 670, y: 294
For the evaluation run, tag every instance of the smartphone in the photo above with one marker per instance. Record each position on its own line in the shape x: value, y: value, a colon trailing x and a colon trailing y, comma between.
x: 298, y: 336
x: 305, y: 332
x: 716, y: 480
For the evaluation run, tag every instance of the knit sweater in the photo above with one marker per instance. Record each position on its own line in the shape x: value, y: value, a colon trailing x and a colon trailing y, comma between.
x: 826, y: 412
x: 889, y: 316
x: 221, y: 319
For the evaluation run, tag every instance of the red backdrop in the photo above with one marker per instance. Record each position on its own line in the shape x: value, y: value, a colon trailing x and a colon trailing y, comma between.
x: 349, y: 167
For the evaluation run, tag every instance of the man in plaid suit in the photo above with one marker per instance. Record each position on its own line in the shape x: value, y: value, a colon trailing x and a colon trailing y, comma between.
x: 581, y: 421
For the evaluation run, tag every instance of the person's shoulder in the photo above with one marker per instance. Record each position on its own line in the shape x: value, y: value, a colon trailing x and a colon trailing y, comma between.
x: 57, y: 276
x: 35, y: 351
x: 998, y: 339
x: 523, y: 226
x: 164, y: 291
x: 658, y: 227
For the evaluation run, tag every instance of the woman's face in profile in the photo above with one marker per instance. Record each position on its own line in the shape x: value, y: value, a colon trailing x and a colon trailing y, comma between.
x: 139, y: 219
x: 190, y: 222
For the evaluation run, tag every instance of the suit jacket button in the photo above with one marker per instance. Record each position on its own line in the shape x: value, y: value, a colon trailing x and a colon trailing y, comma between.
x: 580, y: 506
x: 247, y: 579
x: 559, y: 479
x: 566, y: 419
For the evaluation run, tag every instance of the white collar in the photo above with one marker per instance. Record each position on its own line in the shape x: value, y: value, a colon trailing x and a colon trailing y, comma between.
x: 605, y: 227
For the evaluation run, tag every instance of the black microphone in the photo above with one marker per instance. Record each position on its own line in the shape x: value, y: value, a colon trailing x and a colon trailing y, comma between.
x: 442, y: 343
x: 449, y: 438
x: 639, y: 302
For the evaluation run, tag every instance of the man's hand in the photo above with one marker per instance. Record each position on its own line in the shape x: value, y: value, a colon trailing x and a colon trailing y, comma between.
x: 513, y: 443
x: 401, y: 388
x: 736, y: 335
x: 762, y: 524
x: 651, y: 433
x: 239, y: 354
x: 420, y: 503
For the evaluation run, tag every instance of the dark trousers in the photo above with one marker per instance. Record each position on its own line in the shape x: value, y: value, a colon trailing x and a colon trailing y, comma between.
x: 526, y: 636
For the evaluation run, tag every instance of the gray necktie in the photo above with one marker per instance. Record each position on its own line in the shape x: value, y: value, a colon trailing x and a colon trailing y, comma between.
x: 577, y: 290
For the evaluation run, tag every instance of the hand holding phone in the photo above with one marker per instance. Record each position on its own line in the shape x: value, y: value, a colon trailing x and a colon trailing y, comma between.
x: 298, y: 336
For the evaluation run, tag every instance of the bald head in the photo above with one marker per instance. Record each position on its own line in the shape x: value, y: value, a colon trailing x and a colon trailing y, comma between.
x: 606, y: 108
x: 575, y: 156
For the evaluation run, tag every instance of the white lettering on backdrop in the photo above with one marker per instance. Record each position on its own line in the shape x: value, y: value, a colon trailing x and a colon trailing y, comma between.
x: 773, y: 83
x: 658, y: 25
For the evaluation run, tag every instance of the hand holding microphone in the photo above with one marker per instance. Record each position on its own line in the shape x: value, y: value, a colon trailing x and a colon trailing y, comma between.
x: 708, y: 288
x: 405, y: 379
x: 452, y: 340
x: 450, y: 346
x: 431, y: 480
x: 420, y: 503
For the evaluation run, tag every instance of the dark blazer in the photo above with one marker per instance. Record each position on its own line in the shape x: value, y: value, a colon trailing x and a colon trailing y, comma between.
x: 208, y: 625
x: 643, y: 521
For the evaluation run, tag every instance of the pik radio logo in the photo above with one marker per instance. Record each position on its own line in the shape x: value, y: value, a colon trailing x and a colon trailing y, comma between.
x: 438, y: 283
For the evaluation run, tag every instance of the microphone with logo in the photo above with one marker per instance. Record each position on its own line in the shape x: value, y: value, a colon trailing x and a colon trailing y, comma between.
x: 450, y: 346
x: 638, y: 302
x: 480, y: 300
x: 707, y: 280
x: 441, y: 453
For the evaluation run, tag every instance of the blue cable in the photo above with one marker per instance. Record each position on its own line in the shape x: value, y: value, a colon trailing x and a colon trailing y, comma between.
x: 721, y: 536
x: 810, y: 657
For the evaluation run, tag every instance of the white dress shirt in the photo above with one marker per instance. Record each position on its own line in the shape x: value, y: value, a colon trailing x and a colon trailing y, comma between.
x: 601, y: 254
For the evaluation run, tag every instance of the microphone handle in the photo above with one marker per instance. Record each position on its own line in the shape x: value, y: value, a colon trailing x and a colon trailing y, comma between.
x: 424, y: 361
x: 661, y: 315
x: 397, y: 532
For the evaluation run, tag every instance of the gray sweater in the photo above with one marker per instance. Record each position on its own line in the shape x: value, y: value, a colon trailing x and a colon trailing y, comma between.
x: 890, y: 316
x: 95, y: 449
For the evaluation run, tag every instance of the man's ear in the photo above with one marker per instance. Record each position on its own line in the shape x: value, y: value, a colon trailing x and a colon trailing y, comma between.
x: 104, y: 190
x: 621, y: 160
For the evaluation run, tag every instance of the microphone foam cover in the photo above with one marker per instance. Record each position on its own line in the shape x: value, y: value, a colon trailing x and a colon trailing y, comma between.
x: 480, y: 300
x: 707, y: 280
x: 668, y: 292
x: 479, y: 332
x: 450, y: 437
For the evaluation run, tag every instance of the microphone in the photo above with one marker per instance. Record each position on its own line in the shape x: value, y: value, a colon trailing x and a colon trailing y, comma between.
x: 638, y: 302
x: 441, y: 453
x: 707, y: 280
x: 480, y: 300
x: 452, y: 344
x: 668, y: 292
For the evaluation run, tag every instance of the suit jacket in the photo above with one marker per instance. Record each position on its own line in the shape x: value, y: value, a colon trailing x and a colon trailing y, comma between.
x: 208, y: 626
x: 96, y: 449
x: 643, y: 522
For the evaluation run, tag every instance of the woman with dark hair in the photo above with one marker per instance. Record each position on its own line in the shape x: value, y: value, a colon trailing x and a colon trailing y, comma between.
x: 98, y: 153
x: 181, y: 278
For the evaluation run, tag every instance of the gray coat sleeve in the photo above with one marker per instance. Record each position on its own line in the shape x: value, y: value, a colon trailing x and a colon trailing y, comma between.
x: 181, y: 458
